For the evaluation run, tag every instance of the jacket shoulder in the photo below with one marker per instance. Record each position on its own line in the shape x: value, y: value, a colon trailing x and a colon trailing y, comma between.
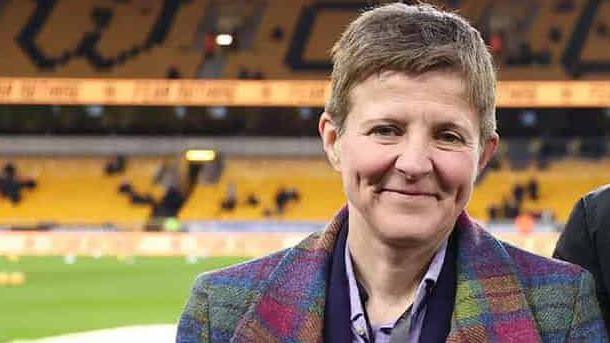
x: 246, y: 276
x: 220, y: 298
x: 599, y: 194
x: 546, y: 281
x: 560, y: 295
x: 539, y: 268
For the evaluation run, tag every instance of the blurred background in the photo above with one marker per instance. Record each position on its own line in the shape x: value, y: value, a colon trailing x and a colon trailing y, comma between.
x: 143, y: 142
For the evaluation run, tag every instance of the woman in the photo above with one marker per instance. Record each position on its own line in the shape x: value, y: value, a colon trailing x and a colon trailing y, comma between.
x: 409, y: 125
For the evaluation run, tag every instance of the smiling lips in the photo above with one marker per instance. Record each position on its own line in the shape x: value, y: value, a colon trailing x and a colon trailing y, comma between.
x: 409, y: 192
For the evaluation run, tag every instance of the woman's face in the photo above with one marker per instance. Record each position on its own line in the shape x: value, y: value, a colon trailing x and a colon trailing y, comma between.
x: 408, y: 155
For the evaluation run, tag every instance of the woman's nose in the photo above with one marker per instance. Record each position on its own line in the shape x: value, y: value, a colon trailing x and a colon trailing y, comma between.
x: 414, y: 159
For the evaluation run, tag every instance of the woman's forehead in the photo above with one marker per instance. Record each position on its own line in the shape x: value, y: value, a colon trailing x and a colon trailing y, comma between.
x: 395, y: 92
x: 438, y: 82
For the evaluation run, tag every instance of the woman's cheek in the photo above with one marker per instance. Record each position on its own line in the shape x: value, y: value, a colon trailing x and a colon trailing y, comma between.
x: 369, y: 161
x: 456, y: 169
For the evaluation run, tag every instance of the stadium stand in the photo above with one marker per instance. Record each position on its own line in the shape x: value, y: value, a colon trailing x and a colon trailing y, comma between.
x: 76, y: 191
x: 542, y: 39
x: 81, y: 193
x: 309, y: 26
x: 552, y: 31
x: 100, y: 39
x: 147, y: 38
x: 596, y: 44
x: 318, y: 185
x: 267, y: 54
x: 560, y: 186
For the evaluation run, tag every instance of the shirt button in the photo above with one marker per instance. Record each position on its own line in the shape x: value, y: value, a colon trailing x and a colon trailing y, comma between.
x: 360, y: 331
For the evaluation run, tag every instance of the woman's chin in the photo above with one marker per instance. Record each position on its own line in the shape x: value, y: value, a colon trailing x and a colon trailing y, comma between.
x: 406, y: 238
x: 411, y: 233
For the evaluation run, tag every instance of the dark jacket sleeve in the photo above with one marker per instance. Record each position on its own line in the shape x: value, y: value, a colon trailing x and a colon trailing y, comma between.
x: 575, y: 244
x: 582, y: 242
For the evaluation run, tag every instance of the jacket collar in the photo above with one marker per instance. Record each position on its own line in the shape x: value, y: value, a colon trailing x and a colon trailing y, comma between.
x: 291, y: 308
x: 490, y: 303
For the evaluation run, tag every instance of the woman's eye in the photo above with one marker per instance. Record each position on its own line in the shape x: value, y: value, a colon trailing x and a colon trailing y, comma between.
x: 385, y: 131
x: 451, y: 137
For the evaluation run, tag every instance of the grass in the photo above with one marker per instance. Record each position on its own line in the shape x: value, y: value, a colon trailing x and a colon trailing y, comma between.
x: 90, y: 294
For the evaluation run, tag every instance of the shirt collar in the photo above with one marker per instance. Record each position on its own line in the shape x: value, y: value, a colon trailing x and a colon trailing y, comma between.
x: 423, y: 289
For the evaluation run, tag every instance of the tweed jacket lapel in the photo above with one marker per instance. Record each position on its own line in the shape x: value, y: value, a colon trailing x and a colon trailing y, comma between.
x: 292, y: 308
x: 490, y: 303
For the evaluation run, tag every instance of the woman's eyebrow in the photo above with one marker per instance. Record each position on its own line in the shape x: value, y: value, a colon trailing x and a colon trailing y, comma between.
x: 459, y: 122
x: 382, y: 120
x: 453, y: 125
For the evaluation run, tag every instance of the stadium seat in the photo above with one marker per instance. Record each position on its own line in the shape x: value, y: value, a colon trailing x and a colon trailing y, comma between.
x: 318, y: 185
x: 75, y: 191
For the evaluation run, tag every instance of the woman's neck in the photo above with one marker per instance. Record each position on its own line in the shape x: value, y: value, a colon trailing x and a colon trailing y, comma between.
x: 390, y: 274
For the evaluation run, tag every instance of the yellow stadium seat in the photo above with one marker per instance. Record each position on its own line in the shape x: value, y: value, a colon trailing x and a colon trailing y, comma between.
x: 76, y: 191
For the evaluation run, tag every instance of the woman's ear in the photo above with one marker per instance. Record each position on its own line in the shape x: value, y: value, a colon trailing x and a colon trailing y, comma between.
x: 330, y: 139
x: 488, y: 150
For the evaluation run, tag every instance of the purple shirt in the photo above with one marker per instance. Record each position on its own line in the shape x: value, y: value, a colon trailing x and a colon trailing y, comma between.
x: 414, y: 315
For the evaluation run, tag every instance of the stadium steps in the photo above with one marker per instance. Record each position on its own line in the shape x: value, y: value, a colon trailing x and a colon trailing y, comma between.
x: 268, y: 55
x: 327, y: 28
x: 597, y: 47
x: 176, y: 50
x: 571, y: 57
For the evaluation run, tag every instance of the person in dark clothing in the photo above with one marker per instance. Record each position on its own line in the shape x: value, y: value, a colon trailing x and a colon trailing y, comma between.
x: 533, y: 189
x: 229, y: 202
x: 277, y: 34
x: 9, y: 171
x: 11, y: 190
x: 510, y: 209
x: 173, y: 72
x: 281, y: 199
x: 116, y: 165
x: 135, y: 197
x: 170, y: 203
x: 586, y: 241
x: 493, y: 212
x: 252, y: 200
x: 518, y: 193
x: 126, y: 188
x: 284, y: 196
x: 11, y: 185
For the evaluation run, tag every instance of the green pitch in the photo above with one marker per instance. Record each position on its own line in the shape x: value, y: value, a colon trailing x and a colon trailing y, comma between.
x: 91, y: 294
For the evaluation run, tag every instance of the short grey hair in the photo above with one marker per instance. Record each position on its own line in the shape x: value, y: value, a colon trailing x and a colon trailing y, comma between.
x: 414, y: 39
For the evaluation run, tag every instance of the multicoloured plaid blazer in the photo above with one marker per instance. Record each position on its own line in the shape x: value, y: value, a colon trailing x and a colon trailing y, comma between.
x: 503, y: 294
